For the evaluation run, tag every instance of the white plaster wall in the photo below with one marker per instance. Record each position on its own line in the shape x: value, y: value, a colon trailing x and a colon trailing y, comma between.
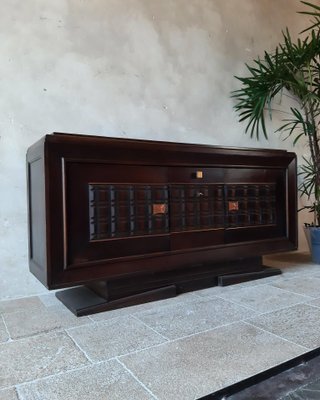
x: 155, y: 69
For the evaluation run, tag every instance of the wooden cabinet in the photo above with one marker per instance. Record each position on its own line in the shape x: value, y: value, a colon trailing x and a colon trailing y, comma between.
x: 135, y: 220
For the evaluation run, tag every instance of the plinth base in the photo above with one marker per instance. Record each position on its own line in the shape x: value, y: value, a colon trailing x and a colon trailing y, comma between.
x: 109, y: 295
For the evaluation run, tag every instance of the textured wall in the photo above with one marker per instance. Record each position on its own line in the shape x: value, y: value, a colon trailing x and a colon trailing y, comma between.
x: 156, y: 69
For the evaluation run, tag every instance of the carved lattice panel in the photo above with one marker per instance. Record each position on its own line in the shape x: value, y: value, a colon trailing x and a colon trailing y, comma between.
x: 127, y: 210
x: 194, y: 207
x: 251, y: 205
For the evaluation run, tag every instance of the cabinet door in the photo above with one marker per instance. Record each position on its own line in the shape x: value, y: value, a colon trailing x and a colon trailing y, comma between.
x: 216, y: 206
x: 255, y: 204
x: 114, y: 211
x: 197, y: 215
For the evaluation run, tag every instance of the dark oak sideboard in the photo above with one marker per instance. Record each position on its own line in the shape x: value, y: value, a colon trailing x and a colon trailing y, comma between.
x: 136, y: 220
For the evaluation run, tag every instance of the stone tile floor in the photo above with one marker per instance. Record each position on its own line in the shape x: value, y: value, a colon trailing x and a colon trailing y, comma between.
x: 180, y: 348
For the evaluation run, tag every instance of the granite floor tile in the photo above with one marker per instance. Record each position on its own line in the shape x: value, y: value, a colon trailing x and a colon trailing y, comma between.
x: 308, y: 286
x: 3, y: 332
x: 49, y: 300
x: 8, y: 394
x: 314, y: 302
x: 35, y: 357
x: 299, y: 324
x: 292, y: 264
x: 185, y: 319
x: 317, y: 273
x: 183, y: 298
x: 16, y: 281
x: 265, y: 298
x: 28, y: 303
x: 106, y: 339
x: 218, y: 290
x: 201, y: 364
x: 41, y: 319
x: 305, y: 269
x: 215, y: 291
x: 104, y: 381
x: 314, y: 386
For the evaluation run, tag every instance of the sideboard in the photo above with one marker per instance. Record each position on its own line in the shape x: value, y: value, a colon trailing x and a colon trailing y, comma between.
x: 125, y: 221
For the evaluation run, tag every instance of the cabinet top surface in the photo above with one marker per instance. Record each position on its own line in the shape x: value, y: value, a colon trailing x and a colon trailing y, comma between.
x: 59, y: 137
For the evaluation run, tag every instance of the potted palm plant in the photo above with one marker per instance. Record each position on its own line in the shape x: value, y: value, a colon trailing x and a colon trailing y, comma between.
x: 292, y: 69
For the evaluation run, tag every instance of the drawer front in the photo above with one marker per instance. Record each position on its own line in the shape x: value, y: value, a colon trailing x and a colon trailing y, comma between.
x: 195, y: 175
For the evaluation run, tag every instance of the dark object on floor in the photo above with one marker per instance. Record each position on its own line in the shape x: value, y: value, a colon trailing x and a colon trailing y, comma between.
x: 296, y: 379
x: 137, y: 220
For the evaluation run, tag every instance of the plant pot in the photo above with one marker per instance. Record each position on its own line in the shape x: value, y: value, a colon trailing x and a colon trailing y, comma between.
x: 314, y: 237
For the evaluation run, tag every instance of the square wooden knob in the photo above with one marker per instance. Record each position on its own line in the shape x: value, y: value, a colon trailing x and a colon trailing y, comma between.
x: 199, y: 174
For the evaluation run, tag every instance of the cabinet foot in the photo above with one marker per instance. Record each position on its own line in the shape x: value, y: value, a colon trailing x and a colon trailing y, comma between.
x: 101, y: 296
x: 232, y: 279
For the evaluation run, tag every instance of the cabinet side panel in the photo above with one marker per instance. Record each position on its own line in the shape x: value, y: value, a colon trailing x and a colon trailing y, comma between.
x: 37, y: 218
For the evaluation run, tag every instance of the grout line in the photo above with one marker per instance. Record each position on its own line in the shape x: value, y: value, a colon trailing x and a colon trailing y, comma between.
x: 26, y: 296
x: 35, y: 335
x: 13, y: 387
x: 239, y: 304
x: 150, y: 327
x: 18, y: 385
x: 261, y: 313
x: 104, y: 320
x: 180, y: 338
x: 119, y: 355
x: 136, y: 379
x: 292, y: 292
x: 313, y: 305
x: 208, y: 298
x: 89, y: 323
x: 7, y: 330
x: 243, y: 320
x: 26, y: 383
x: 278, y: 336
x: 91, y: 319
x: 43, y: 378
x: 153, y: 346
x: 58, y: 330
x: 78, y: 346
x: 94, y: 322
x: 19, y: 396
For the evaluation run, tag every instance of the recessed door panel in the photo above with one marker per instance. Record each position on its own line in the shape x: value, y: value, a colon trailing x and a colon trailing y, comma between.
x: 256, y: 209
x: 114, y: 212
x: 248, y: 204
x: 197, y: 217
x: 196, y: 207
